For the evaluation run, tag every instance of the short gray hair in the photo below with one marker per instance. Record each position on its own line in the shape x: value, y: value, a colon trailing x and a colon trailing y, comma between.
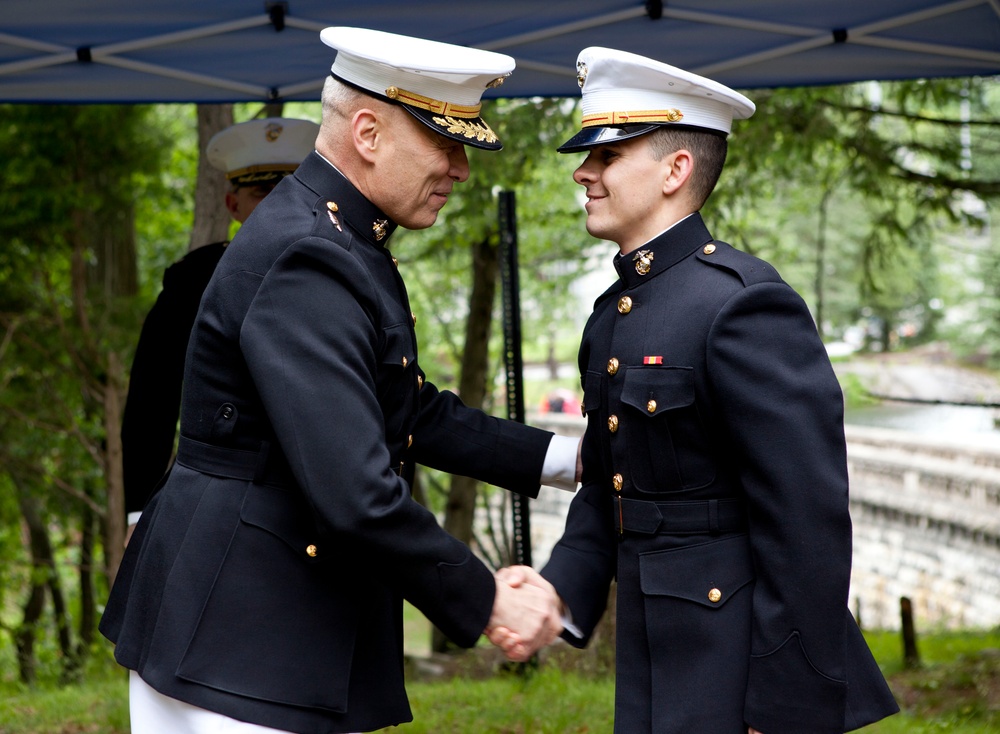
x: 339, y: 99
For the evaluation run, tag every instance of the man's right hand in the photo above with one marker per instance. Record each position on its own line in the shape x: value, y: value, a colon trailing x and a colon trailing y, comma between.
x: 525, y: 619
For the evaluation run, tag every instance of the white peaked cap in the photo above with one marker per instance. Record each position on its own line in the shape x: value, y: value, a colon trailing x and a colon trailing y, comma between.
x: 440, y: 84
x: 260, y: 151
x: 625, y: 95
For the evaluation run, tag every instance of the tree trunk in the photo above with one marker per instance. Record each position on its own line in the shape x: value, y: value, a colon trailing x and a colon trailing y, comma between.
x: 211, y: 219
x: 820, y: 275
x: 43, y: 574
x: 461, y: 507
x: 114, y: 519
x: 88, y: 616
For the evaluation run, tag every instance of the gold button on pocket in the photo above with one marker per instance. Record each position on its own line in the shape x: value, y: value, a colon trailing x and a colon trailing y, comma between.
x: 613, y: 423
x: 311, y: 550
x: 617, y: 481
x: 714, y: 595
x: 405, y: 361
x: 651, y: 406
x: 624, y: 305
x: 613, y: 366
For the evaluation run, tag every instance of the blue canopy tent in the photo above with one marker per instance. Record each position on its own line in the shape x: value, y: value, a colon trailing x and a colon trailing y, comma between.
x: 245, y: 50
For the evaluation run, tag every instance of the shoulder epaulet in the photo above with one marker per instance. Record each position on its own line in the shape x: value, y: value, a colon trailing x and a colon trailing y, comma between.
x: 747, y: 268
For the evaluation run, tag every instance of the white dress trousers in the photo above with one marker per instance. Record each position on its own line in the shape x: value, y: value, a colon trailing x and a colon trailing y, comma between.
x: 153, y: 713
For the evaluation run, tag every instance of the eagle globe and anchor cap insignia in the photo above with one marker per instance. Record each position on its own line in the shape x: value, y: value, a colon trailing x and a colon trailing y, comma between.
x: 272, y: 132
x: 643, y: 261
x: 581, y: 73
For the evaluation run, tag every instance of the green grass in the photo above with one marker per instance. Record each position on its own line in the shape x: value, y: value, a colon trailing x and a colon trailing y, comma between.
x: 546, y: 702
x: 99, y: 706
x: 956, y: 690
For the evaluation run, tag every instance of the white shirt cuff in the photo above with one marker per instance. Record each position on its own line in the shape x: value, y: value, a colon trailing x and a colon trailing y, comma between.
x: 567, y: 623
x: 559, y: 469
x: 133, y: 518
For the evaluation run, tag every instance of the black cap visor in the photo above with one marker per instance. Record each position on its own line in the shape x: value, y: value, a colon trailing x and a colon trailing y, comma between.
x: 591, y: 137
x: 467, y: 130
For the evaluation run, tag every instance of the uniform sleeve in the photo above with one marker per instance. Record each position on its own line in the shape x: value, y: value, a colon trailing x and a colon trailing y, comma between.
x: 309, y: 339
x: 582, y: 564
x: 783, y: 411
x: 152, y: 406
x: 457, y: 439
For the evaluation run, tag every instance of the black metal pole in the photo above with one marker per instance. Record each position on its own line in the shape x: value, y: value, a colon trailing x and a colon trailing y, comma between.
x: 513, y: 361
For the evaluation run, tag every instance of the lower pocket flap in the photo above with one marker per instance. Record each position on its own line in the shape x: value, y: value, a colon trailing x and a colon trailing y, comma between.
x: 281, y: 512
x: 708, y: 573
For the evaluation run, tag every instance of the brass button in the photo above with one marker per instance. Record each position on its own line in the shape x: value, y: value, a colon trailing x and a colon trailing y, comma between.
x: 714, y: 595
x: 395, y: 262
x: 613, y: 423
x: 583, y: 410
x: 613, y: 366
x: 651, y: 406
x: 409, y: 440
x: 708, y: 249
x: 311, y: 550
x: 624, y: 305
x: 405, y: 361
x: 420, y: 381
x: 414, y: 317
x: 616, y: 481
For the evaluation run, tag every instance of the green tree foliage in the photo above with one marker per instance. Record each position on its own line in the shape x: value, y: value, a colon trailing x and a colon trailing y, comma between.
x: 849, y: 189
x: 68, y: 280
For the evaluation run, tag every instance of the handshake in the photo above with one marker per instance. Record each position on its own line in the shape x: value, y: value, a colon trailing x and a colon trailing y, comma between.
x: 527, y: 613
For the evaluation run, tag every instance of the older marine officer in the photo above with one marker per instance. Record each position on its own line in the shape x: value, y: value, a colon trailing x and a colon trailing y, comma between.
x: 715, y: 477
x: 263, y: 586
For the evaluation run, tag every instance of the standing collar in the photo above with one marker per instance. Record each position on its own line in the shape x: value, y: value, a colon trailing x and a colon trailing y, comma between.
x: 343, y: 202
x: 663, y: 251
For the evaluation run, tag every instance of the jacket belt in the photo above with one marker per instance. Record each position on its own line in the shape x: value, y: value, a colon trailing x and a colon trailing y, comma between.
x: 681, y: 517
x: 263, y: 466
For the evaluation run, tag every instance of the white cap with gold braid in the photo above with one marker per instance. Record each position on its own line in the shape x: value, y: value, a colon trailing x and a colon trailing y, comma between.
x: 262, y: 151
x: 625, y: 95
x: 440, y: 84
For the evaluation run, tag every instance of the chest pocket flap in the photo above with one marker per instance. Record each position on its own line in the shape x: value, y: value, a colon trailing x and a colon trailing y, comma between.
x: 669, y: 387
x: 708, y: 574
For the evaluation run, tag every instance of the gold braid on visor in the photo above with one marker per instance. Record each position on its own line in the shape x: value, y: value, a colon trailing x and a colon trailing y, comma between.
x: 638, y: 117
x: 433, y: 105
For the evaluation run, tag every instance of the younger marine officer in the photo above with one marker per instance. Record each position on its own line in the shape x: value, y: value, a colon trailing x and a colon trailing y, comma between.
x: 715, y: 481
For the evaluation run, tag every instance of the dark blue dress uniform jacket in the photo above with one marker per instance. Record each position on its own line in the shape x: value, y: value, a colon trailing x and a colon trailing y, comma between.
x: 149, y: 423
x: 715, y: 490
x: 265, y: 578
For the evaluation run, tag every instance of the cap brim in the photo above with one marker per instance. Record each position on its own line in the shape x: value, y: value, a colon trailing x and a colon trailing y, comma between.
x: 466, y: 130
x: 591, y: 137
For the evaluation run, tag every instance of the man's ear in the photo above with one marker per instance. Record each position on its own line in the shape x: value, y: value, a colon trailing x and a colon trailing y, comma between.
x: 232, y: 203
x: 366, y: 130
x: 678, y: 168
